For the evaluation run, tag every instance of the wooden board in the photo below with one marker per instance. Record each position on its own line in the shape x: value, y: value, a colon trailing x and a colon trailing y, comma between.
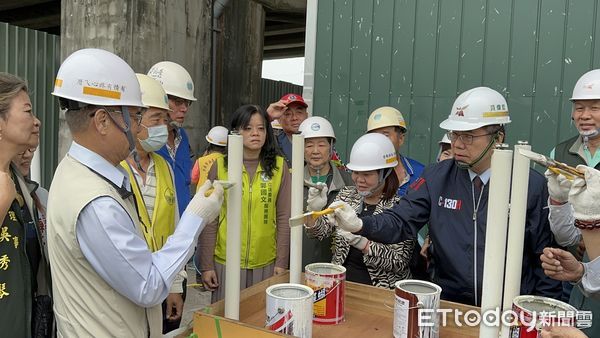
x: 369, y: 312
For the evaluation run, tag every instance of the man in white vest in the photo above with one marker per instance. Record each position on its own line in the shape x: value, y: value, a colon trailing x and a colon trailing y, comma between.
x: 107, y: 281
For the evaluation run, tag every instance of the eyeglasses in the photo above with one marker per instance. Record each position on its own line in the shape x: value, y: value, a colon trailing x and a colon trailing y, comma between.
x: 465, y: 138
x: 178, y: 101
x: 137, y: 117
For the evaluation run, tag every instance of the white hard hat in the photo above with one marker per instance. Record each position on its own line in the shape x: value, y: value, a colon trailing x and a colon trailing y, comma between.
x: 153, y: 94
x: 217, y: 135
x: 587, y: 87
x: 275, y: 124
x: 385, y: 117
x: 174, y: 78
x: 97, y: 77
x: 445, y: 140
x: 475, y: 108
x: 316, y: 126
x: 372, y: 152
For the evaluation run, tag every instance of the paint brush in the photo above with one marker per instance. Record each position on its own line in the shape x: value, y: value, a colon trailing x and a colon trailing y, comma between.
x: 226, y: 185
x: 301, y: 219
x: 554, y: 166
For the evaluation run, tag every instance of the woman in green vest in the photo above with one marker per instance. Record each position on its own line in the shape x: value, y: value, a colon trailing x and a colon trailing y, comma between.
x: 25, y: 305
x: 265, y: 231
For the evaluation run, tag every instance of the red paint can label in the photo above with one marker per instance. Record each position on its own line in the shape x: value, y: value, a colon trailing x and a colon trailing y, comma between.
x: 328, y: 282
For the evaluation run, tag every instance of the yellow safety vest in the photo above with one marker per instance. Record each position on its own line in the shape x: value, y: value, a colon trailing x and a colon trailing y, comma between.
x: 204, y: 165
x: 259, y: 217
x: 162, y: 225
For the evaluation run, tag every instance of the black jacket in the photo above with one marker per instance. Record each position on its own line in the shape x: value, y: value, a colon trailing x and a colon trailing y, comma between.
x: 443, y: 198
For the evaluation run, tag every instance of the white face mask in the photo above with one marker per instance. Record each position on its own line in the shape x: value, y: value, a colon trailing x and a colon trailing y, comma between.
x: 157, y: 138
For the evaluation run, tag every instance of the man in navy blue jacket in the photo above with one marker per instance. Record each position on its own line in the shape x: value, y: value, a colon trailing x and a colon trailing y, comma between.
x: 452, y: 197
x: 179, y: 86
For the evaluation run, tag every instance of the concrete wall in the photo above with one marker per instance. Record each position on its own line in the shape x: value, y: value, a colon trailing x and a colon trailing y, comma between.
x: 240, y: 57
x: 144, y: 32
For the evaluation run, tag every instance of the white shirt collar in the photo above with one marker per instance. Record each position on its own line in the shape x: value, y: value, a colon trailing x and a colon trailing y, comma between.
x: 116, y: 174
x: 484, y: 176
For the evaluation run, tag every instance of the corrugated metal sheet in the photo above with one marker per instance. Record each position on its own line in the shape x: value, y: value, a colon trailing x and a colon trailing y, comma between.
x: 35, y: 57
x: 272, y: 91
x: 418, y: 55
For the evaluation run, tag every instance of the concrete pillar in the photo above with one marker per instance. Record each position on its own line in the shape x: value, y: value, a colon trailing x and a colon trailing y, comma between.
x: 239, y: 57
x: 144, y: 32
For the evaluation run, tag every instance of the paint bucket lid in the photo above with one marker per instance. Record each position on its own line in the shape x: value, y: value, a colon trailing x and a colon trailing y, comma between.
x: 290, y: 291
x: 542, y: 304
x: 418, y: 287
x: 325, y: 269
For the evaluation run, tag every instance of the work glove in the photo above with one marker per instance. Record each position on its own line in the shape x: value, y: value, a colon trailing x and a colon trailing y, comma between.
x: 207, y: 207
x: 346, y: 217
x: 585, y: 194
x: 317, y: 198
x: 558, y: 186
x: 356, y: 241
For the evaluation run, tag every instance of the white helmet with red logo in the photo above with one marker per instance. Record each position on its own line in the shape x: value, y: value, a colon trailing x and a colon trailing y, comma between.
x: 476, y: 108
x: 587, y: 87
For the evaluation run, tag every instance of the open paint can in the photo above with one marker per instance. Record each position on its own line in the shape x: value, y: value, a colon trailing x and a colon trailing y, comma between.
x: 289, y: 309
x: 535, y: 312
x: 413, y: 296
x: 328, y: 282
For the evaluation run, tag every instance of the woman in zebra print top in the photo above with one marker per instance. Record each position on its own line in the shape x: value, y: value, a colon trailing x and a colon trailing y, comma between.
x: 372, y: 162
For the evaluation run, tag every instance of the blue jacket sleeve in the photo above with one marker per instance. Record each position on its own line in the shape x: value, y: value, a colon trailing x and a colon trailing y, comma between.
x: 403, y: 221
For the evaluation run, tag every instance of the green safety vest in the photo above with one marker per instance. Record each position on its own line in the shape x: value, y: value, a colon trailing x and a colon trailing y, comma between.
x: 259, y: 217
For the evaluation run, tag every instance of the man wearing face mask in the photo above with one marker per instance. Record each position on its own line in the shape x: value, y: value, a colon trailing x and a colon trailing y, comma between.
x: 178, y: 85
x: 153, y: 186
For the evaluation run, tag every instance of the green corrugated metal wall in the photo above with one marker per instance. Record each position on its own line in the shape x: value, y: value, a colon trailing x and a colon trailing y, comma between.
x: 418, y: 55
x: 35, y: 57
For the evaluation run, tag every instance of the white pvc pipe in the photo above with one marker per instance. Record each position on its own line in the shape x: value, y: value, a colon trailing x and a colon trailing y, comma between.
x: 297, y: 202
x: 235, y: 155
x: 516, y: 231
x: 36, y: 167
x: 495, y: 237
x: 310, y: 47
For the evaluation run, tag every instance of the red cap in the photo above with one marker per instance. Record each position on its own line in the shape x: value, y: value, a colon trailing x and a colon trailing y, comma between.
x: 289, y: 98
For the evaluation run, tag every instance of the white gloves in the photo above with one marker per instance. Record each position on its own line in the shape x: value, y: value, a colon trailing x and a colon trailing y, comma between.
x: 346, y: 217
x: 585, y: 194
x: 558, y: 186
x: 207, y: 207
x: 317, y: 198
x: 356, y: 241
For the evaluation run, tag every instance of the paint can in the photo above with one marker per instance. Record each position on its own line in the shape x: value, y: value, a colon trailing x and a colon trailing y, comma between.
x: 411, y: 297
x: 534, y: 312
x: 328, y: 282
x: 289, y: 309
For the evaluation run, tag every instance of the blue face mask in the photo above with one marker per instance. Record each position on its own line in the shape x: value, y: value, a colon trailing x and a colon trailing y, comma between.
x: 157, y: 138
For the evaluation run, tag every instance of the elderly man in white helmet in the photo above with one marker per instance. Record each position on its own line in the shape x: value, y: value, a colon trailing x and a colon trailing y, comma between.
x: 179, y: 86
x: 106, y: 280
x: 452, y: 197
x: 574, y: 204
x: 153, y: 185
